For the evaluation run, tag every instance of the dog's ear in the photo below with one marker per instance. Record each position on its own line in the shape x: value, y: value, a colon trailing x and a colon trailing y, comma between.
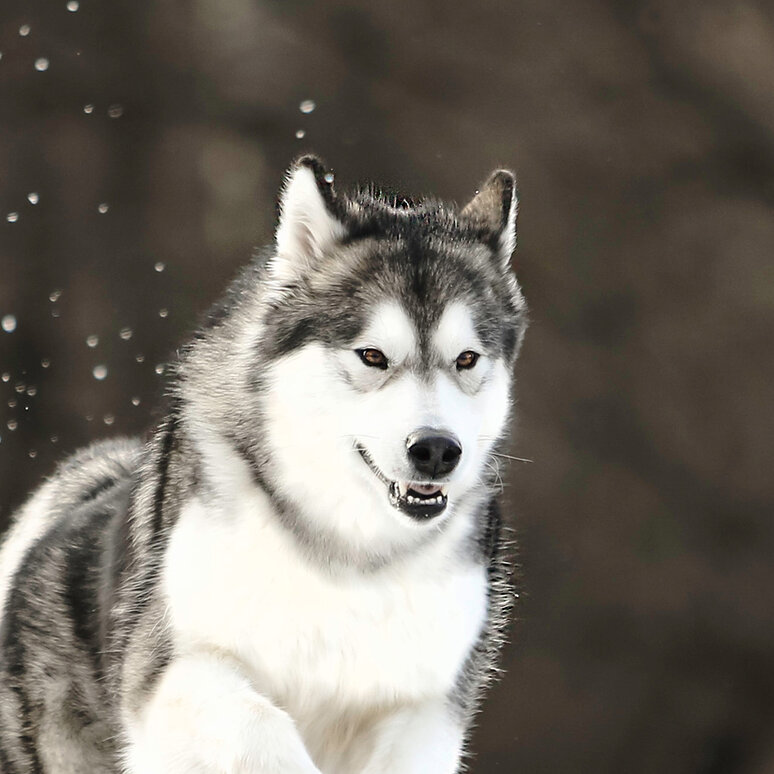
x: 308, y: 225
x: 494, y: 208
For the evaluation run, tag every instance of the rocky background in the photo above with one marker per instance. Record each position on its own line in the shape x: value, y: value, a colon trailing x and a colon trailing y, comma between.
x: 141, y: 148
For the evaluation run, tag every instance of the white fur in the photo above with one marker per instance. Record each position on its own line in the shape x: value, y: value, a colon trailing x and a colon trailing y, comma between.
x: 455, y: 332
x: 306, y: 229
x: 340, y: 653
x: 508, y: 234
x: 390, y: 331
x: 283, y: 661
x: 312, y: 414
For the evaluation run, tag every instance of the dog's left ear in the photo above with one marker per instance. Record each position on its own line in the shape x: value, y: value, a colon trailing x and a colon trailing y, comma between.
x: 308, y: 225
x: 495, y: 208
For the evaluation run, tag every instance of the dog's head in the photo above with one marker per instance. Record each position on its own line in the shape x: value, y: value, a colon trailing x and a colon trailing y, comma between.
x: 366, y: 373
x: 391, y: 331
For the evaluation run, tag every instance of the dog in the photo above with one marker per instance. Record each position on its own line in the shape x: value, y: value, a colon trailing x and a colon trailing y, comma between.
x: 303, y: 570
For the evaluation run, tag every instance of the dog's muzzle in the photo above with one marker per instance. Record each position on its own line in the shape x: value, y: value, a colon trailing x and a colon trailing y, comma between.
x: 420, y: 501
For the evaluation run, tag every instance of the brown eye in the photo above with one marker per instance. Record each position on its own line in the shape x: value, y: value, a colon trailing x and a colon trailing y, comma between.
x: 373, y: 357
x: 466, y: 360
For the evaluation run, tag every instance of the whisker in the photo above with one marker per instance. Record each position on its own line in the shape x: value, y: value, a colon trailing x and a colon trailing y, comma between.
x: 509, y: 457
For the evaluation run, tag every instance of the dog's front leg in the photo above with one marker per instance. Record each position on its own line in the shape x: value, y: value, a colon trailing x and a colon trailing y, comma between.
x: 204, y: 716
x: 423, y: 739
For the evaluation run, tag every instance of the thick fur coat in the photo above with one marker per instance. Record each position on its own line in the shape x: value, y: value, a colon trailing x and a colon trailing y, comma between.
x: 302, y: 570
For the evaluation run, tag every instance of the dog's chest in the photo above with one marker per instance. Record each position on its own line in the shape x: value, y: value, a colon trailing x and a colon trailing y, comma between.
x: 310, y: 640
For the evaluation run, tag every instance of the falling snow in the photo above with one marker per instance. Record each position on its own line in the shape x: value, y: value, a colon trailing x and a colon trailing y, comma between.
x: 92, y: 341
x: 33, y: 198
x: 100, y: 372
x: 8, y: 323
x: 307, y: 106
x: 41, y: 64
x: 12, y: 217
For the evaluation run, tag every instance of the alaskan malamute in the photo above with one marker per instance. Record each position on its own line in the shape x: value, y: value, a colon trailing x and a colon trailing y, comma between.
x: 302, y: 570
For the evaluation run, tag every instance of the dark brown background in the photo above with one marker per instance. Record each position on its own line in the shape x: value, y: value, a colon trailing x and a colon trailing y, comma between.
x: 643, y: 137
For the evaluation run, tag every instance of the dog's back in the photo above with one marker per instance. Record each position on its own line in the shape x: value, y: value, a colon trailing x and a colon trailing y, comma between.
x: 51, y: 593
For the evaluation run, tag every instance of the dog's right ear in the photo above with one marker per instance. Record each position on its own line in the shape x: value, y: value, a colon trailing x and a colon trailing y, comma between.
x: 308, y: 225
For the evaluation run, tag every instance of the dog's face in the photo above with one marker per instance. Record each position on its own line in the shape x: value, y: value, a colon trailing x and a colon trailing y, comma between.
x: 392, y: 334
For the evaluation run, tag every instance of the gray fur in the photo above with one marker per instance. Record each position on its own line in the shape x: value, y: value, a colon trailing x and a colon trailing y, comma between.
x: 82, y: 634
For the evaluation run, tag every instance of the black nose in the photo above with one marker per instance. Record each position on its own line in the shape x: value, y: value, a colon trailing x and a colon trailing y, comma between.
x: 433, y: 452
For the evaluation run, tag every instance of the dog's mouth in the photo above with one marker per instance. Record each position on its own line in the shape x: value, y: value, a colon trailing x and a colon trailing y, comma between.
x: 420, y: 501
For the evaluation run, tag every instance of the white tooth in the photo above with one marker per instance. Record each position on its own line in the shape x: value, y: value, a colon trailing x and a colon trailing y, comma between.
x: 444, y: 490
x: 403, y: 486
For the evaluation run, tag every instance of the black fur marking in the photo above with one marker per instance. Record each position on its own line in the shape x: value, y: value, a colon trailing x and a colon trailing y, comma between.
x: 163, y: 469
x: 99, y: 488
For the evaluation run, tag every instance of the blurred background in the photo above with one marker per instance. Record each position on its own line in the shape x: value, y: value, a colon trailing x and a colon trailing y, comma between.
x: 141, y: 148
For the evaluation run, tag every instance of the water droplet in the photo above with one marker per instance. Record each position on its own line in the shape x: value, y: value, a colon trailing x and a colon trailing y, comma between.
x: 159, y: 266
x: 33, y: 198
x: 328, y: 177
x: 108, y: 419
x: 12, y: 424
x: 103, y: 208
x: 125, y: 334
x: 159, y: 369
x: 32, y: 454
x: 25, y: 30
x: 41, y: 64
x: 88, y: 109
x: 6, y: 377
x: 135, y: 401
x: 92, y: 341
x: 8, y: 323
x: 307, y: 106
x: 300, y: 134
x: 140, y: 358
x: 12, y: 217
x: 20, y: 387
x: 115, y: 111
x: 45, y: 363
x: 54, y: 439
x: 54, y: 296
x: 12, y: 403
x: 100, y: 372
x: 32, y: 391
x: 163, y: 312
x: 73, y: 6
